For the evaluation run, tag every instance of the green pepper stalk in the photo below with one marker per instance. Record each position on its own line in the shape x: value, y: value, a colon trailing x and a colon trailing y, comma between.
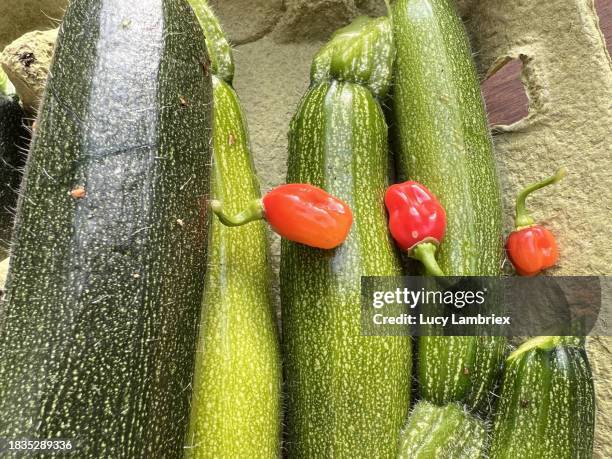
x: 523, y: 218
x: 254, y: 212
x: 425, y: 252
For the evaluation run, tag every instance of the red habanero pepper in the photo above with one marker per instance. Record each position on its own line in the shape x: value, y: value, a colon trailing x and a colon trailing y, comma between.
x: 298, y: 212
x: 531, y: 247
x: 417, y: 222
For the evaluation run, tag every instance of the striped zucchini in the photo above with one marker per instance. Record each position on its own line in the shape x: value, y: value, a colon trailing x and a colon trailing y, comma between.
x: 236, y: 406
x: 443, y: 141
x: 447, y: 432
x: 98, y: 330
x: 547, y: 404
x: 347, y: 394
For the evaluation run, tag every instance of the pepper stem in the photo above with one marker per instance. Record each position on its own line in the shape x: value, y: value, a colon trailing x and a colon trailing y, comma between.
x: 523, y: 218
x: 425, y: 252
x: 254, y: 211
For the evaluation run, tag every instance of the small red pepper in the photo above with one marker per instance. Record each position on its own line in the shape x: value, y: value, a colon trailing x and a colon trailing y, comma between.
x: 417, y: 222
x: 299, y: 212
x: 531, y: 247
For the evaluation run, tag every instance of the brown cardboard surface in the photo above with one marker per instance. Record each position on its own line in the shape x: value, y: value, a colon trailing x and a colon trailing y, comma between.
x: 568, y: 77
x: 26, y: 62
x: 567, y: 74
x: 21, y: 16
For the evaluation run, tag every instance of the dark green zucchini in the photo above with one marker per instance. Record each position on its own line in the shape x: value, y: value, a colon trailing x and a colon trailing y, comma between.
x: 236, y: 403
x: 547, y: 403
x: 442, y: 140
x: 347, y: 394
x: 444, y: 432
x: 13, y: 139
x: 98, y: 330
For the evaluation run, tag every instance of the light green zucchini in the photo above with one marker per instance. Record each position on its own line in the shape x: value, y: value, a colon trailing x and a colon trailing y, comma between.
x: 236, y: 403
x: 442, y: 140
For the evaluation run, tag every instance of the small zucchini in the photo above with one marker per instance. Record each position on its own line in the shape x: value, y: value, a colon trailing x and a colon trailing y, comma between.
x: 547, y: 403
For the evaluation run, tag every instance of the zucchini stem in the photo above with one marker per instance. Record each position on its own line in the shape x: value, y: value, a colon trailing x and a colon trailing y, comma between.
x: 523, y: 218
x: 545, y: 343
x: 253, y: 212
x: 425, y: 252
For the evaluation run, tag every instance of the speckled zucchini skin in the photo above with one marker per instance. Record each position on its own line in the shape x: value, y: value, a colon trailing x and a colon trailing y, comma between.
x: 236, y: 403
x: 99, y: 326
x: 347, y: 394
x: 13, y: 138
x: 442, y: 140
x: 547, y: 405
x: 445, y: 432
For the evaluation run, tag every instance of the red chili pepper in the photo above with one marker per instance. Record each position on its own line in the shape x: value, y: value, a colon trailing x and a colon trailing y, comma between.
x: 417, y: 222
x: 299, y: 212
x: 531, y: 247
